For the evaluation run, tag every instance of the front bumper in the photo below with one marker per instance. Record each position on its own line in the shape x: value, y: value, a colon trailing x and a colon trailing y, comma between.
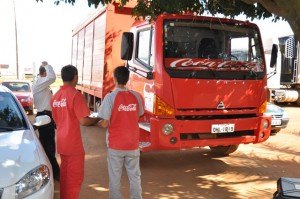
x: 28, y: 106
x: 284, y: 123
x: 197, y: 133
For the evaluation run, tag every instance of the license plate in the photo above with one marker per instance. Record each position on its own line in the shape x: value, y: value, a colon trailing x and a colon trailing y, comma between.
x: 275, y: 122
x: 222, y: 128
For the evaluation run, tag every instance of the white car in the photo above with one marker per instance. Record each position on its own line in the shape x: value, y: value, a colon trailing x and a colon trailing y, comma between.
x: 280, y: 118
x: 25, y: 171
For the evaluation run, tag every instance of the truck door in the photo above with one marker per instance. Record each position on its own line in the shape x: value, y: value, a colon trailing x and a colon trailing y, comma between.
x: 143, y: 59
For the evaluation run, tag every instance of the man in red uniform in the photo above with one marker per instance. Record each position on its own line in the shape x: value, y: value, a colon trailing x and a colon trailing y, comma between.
x: 69, y: 111
x: 120, y: 111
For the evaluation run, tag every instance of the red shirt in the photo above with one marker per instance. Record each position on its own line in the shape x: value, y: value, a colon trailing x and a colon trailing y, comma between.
x: 123, y: 126
x: 68, y: 107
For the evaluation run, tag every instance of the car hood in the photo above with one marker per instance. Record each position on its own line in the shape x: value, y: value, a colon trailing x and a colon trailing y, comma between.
x: 274, y: 109
x: 19, y: 154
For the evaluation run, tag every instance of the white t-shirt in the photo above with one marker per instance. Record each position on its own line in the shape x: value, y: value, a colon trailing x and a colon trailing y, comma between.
x: 41, y: 91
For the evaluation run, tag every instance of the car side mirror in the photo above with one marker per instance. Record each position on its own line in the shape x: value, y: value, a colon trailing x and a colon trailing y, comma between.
x: 41, y: 120
x: 274, y: 53
x: 127, y: 46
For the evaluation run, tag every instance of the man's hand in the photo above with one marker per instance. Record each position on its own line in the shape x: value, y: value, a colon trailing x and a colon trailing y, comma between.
x: 88, y: 121
x: 103, y: 123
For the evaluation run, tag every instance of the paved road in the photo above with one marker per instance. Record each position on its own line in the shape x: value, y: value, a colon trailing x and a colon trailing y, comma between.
x: 251, y: 172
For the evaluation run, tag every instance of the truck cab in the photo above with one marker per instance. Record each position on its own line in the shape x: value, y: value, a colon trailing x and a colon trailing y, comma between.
x: 284, y: 78
x: 203, y: 80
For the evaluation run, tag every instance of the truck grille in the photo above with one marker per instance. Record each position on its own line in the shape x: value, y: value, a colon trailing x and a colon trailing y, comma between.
x: 210, y: 117
x: 200, y: 136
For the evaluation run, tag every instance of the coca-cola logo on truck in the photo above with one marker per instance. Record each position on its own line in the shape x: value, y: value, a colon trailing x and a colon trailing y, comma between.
x: 218, y: 64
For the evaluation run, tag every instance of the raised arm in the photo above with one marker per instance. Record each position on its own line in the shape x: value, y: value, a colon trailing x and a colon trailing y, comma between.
x: 44, y: 82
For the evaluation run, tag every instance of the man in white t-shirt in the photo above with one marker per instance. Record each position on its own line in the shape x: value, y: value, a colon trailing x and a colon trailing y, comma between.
x: 42, y: 95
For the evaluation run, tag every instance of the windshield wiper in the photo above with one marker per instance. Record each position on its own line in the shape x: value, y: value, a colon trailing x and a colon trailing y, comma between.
x: 6, y: 129
x: 251, y: 73
x: 206, y: 66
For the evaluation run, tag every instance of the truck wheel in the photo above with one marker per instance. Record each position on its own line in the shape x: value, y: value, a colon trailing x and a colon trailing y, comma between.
x: 224, y: 150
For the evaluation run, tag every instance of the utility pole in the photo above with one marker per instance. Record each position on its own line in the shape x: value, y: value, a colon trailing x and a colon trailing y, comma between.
x: 16, y: 38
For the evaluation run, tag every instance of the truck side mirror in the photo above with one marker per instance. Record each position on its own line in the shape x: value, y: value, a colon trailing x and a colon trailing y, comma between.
x: 127, y: 46
x: 274, y: 55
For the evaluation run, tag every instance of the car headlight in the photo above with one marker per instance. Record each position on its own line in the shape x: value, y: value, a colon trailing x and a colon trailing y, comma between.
x: 268, y: 114
x: 33, y: 181
x: 285, y: 115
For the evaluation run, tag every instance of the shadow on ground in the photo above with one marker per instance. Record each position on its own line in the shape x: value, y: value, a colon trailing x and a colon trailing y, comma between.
x: 251, y: 172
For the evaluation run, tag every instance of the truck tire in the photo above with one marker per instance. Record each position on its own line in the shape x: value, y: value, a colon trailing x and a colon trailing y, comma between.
x: 224, y: 150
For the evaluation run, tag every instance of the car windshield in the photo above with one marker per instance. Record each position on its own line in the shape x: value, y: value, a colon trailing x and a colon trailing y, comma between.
x: 17, y: 86
x: 11, y: 118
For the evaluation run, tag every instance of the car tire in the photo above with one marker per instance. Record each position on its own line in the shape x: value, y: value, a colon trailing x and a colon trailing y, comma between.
x: 224, y: 150
x: 274, y: 132
x: 30, y: 112
x: 281, y: 103
x: 298, y: 100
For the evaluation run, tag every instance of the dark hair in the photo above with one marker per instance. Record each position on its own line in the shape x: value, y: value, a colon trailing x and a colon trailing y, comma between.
x: 121, y: 74
x: 42, y: 70
x: 68, y: 73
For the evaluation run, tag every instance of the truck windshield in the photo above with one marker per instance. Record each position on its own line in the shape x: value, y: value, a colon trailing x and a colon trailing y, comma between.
x: 217, y: 48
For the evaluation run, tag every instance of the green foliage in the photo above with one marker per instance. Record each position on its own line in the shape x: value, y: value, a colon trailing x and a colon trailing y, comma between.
x: 229, y: 8
x: 156, y: 7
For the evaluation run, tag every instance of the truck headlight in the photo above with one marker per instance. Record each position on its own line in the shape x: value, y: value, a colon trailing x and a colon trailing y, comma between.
x: 167, y: 129
x: 33, y: 181
x: 263, y: 107
x: 265, y: 124
x: 162, y: 108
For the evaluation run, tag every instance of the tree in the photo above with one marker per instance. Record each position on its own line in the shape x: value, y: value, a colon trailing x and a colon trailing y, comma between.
x: 259, y: 9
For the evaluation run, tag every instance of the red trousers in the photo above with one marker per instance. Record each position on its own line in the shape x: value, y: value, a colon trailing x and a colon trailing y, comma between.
x: 71, y: 175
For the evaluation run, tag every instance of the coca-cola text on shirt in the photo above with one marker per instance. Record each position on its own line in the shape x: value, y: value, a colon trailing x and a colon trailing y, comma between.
x: 129, y: 107
x: 62, y: 103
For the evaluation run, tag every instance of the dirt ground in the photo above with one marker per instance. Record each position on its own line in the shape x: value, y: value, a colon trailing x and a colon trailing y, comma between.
x: 251, y: 172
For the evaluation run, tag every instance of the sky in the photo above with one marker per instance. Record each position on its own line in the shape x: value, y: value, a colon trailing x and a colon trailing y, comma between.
x: 44, y: 32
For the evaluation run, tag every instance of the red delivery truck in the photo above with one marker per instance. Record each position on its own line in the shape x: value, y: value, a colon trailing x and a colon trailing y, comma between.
x: 203, y: 79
